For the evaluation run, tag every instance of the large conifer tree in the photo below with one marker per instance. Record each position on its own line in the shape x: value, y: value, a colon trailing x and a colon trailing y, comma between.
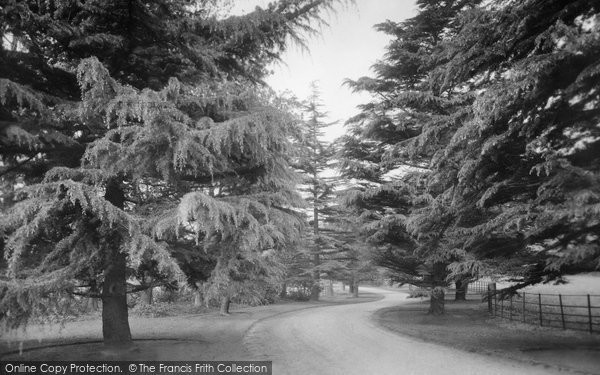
x: 523, y: 166
x: 392, y: 142
x: 496, y: 111
x: 109, y: 146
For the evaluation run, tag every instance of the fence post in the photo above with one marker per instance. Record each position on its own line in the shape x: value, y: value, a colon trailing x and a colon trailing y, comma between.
x: 540, y: 308
x: 590, y: 313
x: 510, y: 309
x: 495, y: 303
x: 523, y: 307
x: 562, y: 313
x: 491, y: 293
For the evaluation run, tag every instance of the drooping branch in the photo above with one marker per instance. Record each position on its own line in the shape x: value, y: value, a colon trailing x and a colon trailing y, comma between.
x: 84, y: 294
x: 16, y: 166
x: 143, y: 287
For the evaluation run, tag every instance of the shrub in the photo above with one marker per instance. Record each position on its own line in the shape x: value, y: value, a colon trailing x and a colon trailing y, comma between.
x: 155, y: 310
x: 298, y: 295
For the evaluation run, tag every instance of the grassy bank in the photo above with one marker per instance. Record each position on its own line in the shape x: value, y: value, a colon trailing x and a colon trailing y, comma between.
x: 468, y: 326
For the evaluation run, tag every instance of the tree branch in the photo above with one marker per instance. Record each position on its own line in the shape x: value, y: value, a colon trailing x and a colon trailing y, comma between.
x: 85, y: 294
x: 143, y: 287
x: 17, y: 166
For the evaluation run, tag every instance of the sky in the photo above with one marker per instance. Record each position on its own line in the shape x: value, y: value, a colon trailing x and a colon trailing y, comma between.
x: 345, y: 49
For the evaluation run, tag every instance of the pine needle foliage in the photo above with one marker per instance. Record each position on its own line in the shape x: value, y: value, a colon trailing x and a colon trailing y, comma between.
x: 133, y: 135
x: 314, y: 158
x: 531, y: 170
x: 141, y: 43
x: 391, y: 144
x: 495, y: 108
x: 149, y: 131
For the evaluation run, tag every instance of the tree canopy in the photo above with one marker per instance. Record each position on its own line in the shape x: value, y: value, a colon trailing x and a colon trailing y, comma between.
x: 489, y: 111
x: 314, y: 159
x: 138, y: 138
x: 133, y: 133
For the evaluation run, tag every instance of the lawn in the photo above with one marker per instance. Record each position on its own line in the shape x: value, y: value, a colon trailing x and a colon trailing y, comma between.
x: 468, y: 326
x: 206, y: 335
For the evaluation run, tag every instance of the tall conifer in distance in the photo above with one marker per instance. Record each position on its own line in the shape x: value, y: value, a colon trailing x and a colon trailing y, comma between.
x: 125, y: 155
x: 315, y: 157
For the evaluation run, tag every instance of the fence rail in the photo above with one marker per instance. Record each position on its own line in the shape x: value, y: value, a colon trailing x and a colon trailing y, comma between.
x: 566, y: 311
x: 477, y: 287
x: 474, y: 288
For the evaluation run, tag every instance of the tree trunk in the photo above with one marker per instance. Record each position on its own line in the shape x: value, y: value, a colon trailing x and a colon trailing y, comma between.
x: 351, y: 287
x: 115, y: 323
x: 343, y: 286
x: 283, y: 292
x: 92, y: 304
x: 355, y: 290
x: 330, y: 288
x: 436, y: 304
x: 225, y: 303
x: 147, y: 294
x: 461, y: 290
x: 315, y: 289
x: 197, y: 294
x: 197, y: 298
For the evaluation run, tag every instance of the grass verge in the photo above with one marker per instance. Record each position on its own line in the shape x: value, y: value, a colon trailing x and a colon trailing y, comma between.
x: 178, y: 335
x: 468, y: 326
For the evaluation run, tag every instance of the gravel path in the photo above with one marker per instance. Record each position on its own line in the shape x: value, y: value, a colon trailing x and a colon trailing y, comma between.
x: 345, y: 340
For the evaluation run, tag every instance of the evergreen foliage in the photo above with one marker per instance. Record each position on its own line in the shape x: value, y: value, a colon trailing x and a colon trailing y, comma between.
x: 531, y: 172
x: 400, y: 133
x: 315, y: 158
x: 141, y: 142
x: 141, y: 43
x: 490, y: 111
x: 329, y: 249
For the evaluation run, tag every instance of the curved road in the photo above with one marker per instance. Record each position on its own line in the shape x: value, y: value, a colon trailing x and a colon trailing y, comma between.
x: 344, y: 340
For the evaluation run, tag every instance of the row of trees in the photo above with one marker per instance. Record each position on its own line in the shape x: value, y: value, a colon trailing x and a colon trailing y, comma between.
x: 332, y: 249
x: 137, y: 141
x: 479, y: 153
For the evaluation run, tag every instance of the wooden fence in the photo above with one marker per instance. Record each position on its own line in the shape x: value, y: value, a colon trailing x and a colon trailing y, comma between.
x: 566, y: 311
x: 478, y: 287
x: 474, y: 288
